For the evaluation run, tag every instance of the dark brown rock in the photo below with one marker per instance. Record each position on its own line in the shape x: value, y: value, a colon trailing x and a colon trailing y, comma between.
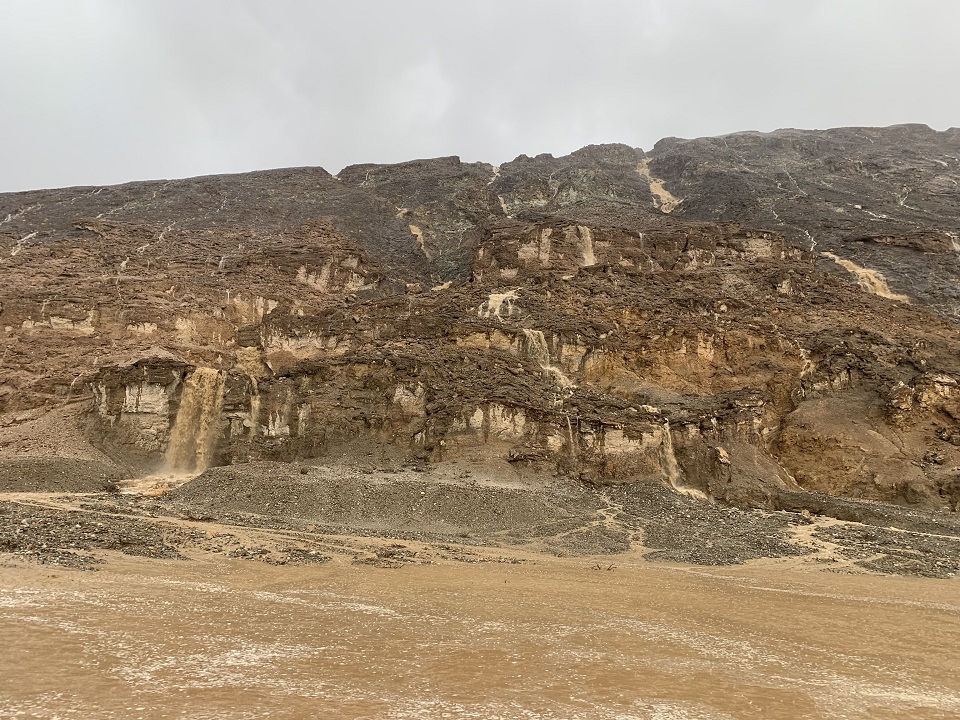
x: 625, y: 317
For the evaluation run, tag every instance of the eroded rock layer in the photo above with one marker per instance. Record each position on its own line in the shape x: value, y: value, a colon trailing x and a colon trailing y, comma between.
x: 741, y: 319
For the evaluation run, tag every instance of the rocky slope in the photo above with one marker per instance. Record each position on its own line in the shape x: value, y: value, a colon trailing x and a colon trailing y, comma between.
x: 744, y: 319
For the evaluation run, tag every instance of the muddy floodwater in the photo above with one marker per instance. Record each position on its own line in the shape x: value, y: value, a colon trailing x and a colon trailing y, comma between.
x: 542, y: 638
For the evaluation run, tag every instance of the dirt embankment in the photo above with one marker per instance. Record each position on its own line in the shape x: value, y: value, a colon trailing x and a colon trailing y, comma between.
x: 282, y: 513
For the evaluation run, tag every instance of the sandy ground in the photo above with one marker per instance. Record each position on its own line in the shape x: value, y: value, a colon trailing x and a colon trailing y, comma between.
x: 473, y: 634
x: 278, y: 591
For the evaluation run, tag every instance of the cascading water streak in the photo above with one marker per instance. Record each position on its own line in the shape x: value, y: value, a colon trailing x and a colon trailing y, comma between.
x: 195, y: 431
x: 538, y: 351
x: 671, y: 468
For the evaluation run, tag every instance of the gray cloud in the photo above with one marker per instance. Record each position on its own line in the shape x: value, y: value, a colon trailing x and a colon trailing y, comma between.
x: 103, y: 91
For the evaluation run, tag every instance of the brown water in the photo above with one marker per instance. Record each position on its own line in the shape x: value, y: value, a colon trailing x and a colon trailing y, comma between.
x: 194, y: 432
x: 550, y: 638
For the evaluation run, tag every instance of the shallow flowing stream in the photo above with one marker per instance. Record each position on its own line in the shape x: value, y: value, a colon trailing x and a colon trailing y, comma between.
x: 549, y: 638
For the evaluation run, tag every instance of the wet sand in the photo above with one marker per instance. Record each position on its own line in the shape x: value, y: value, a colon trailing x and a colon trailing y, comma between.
x: 545, y: 638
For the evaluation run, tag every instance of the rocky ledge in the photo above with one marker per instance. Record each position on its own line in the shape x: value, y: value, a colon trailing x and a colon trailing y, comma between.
x: 757, y: 320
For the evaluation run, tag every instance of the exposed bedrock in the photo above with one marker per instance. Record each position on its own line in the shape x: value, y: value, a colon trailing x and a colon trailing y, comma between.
x: 599, y: 316
x: 574, y: 350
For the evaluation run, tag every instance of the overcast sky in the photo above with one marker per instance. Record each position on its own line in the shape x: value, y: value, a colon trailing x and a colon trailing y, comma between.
x: 106, y: 91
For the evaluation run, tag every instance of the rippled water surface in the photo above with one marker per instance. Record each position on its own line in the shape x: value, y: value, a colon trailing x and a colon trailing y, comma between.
x: 550, y: 638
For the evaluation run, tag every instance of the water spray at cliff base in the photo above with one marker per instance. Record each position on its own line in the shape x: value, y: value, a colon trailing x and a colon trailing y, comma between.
x: 193, y: 437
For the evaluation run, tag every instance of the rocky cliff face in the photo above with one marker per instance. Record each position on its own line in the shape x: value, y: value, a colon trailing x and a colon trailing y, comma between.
x: 742, y: 318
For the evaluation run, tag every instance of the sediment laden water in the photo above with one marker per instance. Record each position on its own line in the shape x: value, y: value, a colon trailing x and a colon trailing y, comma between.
x: 549, y: 639
x: 194, y: 434
x: 538, y: 351
x: 671, y: 468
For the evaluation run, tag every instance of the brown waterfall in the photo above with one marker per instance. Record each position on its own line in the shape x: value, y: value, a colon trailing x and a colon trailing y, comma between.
x: 194, y: 434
